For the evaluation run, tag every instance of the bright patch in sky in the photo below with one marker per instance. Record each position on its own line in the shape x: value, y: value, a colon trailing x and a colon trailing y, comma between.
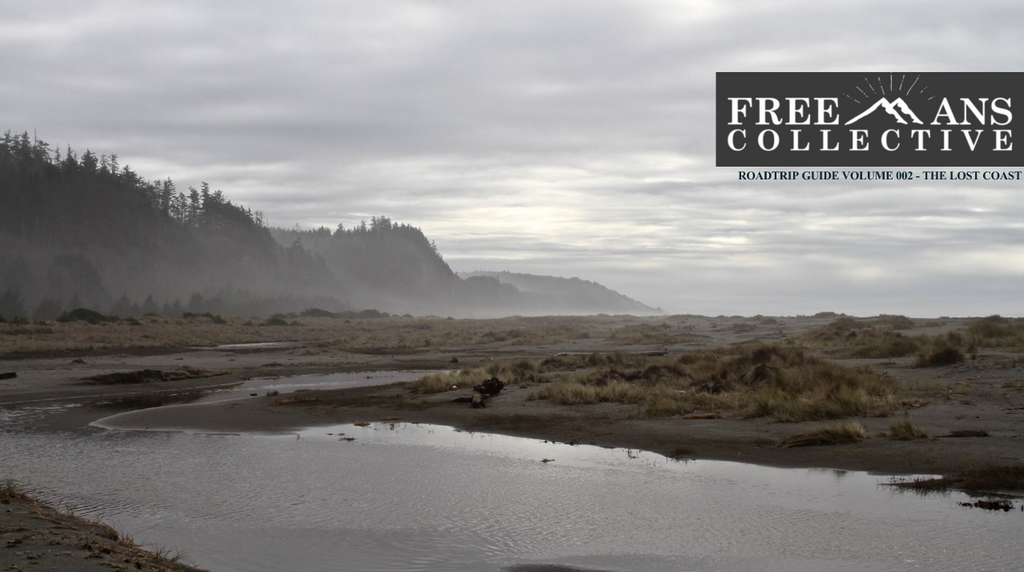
x: 572, y: 138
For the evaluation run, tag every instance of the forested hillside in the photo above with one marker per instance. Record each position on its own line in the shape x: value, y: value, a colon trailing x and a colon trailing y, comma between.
x: 380, y: 263
x: 84, y: 231
x: 573, y: 295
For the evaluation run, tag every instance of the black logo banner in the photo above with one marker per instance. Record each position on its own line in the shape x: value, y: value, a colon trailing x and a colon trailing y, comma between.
x: 868, y: 119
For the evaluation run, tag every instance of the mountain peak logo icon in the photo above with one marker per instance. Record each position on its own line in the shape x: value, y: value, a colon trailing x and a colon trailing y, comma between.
x: 897, y: 108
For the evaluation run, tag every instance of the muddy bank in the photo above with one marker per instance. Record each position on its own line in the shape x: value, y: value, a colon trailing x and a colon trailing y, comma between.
x: 61, y: 379
x: 608, y: 425
x: 36, y: 536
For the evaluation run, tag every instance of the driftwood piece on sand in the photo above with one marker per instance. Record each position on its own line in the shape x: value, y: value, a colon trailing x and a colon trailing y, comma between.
x: 490, y: 387
x: 481, y: 392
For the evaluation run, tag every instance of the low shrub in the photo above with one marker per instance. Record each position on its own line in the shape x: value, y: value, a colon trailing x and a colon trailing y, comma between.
x: 940, y: 357
x: 895, y: 322
x: 85, y: 315
x: 275, y: 322
x: 216, y: 319
x: 317, y: 313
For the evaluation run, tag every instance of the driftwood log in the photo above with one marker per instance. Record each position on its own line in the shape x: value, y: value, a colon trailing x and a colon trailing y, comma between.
x: 490, y: 388
x: 481, y: 392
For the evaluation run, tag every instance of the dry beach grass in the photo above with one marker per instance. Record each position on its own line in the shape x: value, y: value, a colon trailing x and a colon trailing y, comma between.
x: 886, y: 394
x: 778, y: 381
x: 385, y: 335
x: 722, y: 387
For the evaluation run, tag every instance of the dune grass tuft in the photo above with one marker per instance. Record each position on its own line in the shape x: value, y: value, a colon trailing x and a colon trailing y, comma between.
x: 570, y: 362
x: 836, y: 434
x: 650, y: 334
x: 903, y: 429
x: 449, y: 380
x: 11, y: 490
x: 997, y: 331
x: 522, y: 372
x: 876, y: 338
x: 754, y: 380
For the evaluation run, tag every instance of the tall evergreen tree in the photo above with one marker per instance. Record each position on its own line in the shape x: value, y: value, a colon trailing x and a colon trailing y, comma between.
x: 12, y: 304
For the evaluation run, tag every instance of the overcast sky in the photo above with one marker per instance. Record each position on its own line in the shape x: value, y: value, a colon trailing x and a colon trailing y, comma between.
x: 563, y: 138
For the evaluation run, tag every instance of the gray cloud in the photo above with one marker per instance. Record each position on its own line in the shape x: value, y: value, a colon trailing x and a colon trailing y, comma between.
x: 570, y: 138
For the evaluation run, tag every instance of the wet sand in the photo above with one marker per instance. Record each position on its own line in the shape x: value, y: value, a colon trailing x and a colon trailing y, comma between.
x: 617, y: 425
x: 39, y: 537
x: 984, y: 394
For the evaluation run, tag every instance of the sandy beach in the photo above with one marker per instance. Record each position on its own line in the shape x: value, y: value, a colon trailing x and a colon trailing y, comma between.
x: 616, y: 425
x: 968, y: 414
x: 983, y: 395
x: 38, y: 536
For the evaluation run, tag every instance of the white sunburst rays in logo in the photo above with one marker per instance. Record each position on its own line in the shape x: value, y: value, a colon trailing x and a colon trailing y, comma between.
x: 890, y: 90
x: 894, y: 87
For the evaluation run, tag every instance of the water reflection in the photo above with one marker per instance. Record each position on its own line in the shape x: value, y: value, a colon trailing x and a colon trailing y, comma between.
x: 395, y: 496
x: 290, y: 384
x: 147, y: 400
